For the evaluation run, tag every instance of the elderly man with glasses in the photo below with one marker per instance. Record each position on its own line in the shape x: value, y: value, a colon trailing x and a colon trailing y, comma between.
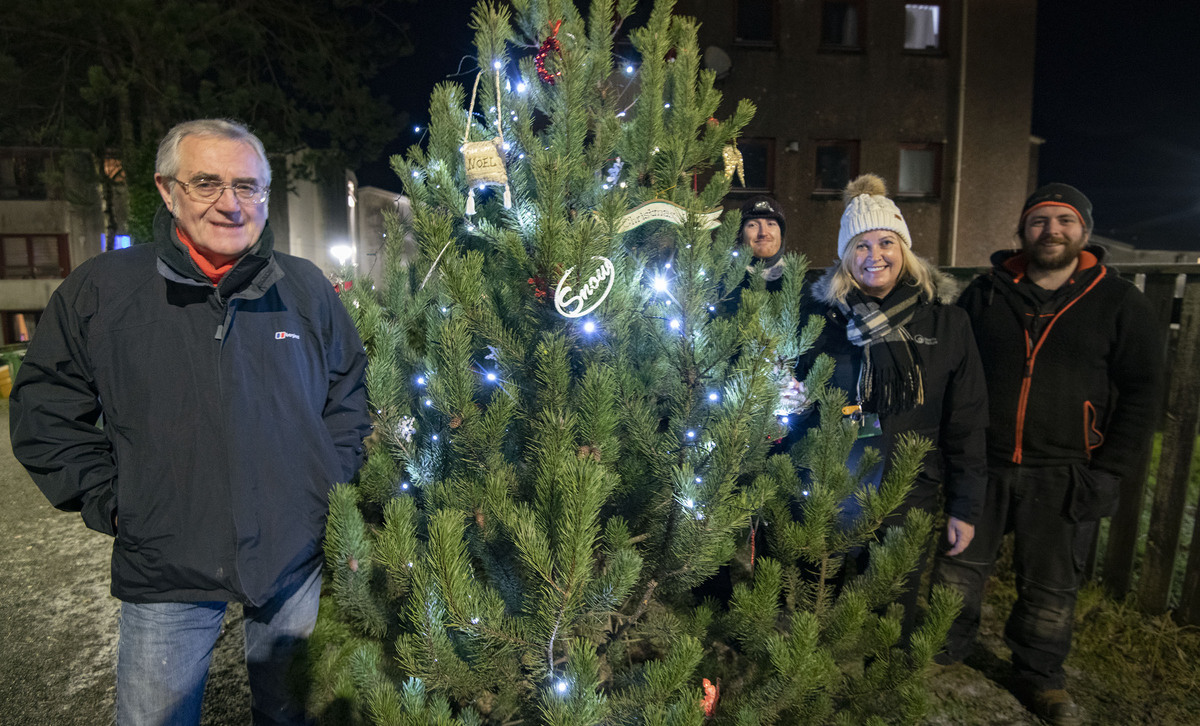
x: 197, y: 398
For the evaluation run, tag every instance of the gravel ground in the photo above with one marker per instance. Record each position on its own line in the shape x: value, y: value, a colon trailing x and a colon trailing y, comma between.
x: 58, y: 623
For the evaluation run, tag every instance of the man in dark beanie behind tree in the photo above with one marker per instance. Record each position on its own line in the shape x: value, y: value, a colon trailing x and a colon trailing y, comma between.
x: 763, y: 226
x: 1074, y: 366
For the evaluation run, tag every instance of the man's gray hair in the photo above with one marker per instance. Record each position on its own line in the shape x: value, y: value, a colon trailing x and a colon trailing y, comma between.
x: 167, y: 162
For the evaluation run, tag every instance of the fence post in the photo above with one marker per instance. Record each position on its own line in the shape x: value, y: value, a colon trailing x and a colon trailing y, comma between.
x: 1122, y: 540
x: 1179, y: 439
x: 1189, y: 599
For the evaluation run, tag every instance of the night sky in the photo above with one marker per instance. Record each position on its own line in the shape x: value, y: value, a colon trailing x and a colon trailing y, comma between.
x: 1116, y: 99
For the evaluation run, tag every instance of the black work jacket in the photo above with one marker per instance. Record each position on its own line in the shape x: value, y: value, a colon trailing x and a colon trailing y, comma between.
x: 1072, y: 380
x: 228, y: 414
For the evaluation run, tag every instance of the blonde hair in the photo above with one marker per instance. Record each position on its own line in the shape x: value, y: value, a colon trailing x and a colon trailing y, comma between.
x: 914, y: 271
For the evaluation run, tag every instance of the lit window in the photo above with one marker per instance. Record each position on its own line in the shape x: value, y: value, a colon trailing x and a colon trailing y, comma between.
x: 922, y: 27
x: 842, y: 24
x: 837, y: 164
x: 920, y: 170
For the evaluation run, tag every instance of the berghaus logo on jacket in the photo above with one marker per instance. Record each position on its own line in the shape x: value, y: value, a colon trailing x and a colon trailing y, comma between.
x: 281, y: 335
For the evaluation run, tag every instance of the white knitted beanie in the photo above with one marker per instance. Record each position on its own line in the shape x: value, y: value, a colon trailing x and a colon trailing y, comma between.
x: 868, y: 208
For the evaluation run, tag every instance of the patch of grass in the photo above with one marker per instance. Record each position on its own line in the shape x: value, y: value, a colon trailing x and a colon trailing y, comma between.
x: 1132, y: 667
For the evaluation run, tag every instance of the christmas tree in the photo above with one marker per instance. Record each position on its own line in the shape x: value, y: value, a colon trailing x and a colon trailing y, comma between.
x: 575, y: 428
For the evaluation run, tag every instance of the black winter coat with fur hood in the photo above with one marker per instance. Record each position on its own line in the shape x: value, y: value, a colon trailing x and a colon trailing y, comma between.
x: 954, y: 414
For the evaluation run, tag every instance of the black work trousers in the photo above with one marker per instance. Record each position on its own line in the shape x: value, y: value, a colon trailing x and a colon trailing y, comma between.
x: 1050, y: 551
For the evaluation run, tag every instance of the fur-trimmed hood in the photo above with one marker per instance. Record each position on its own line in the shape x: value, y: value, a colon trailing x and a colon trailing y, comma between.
x: 946, y: 287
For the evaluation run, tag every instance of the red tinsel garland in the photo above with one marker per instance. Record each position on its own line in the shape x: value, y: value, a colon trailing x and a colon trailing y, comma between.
x: 548, y: 46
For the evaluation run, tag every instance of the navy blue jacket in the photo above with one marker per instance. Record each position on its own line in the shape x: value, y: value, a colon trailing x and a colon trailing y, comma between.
x: 210, y: 421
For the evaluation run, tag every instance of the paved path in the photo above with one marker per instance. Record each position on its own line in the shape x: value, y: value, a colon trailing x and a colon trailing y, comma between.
x: 58, y: 623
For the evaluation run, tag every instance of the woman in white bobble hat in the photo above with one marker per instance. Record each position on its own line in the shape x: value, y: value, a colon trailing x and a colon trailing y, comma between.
x: 907, y: 360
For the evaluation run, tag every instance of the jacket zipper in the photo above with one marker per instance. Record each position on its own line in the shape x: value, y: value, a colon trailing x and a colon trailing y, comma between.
x: 1030, y: 359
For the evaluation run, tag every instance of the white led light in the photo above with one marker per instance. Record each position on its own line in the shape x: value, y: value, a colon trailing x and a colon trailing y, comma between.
x: 435, y: 437
x: 675, y: 324
x: 404, y: 486
x: 660, y: 283
x: 629, y: 69
x: 735, y: 253
x: 589, y: 327
x: 713, y: 396
x: 691, y: 434
x: 428, y: 402
x: 496, y: 64
x: 420, y: 380
x: 561, y: 686
x: 521, y: 87
x: 491, y: 376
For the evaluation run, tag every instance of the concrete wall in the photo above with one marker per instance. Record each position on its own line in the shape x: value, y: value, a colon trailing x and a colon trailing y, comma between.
x: 884, y: 96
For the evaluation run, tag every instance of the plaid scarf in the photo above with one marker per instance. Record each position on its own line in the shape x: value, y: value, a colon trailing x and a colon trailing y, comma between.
x: 892, y: 375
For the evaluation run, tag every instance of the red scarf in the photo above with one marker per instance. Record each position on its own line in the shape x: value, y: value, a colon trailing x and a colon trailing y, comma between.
x: 211, y: 271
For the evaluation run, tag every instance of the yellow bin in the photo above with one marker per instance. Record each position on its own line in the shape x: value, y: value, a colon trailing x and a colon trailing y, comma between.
x: 5, y: 382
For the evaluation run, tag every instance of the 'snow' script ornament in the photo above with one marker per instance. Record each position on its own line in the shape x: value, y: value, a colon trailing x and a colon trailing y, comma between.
x: 586, y: 300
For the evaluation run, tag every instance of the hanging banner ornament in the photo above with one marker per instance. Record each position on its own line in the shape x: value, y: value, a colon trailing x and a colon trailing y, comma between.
x: 484, y: 160
x: 576, y: 306
x: 732, y: 156
x: 664, y: 211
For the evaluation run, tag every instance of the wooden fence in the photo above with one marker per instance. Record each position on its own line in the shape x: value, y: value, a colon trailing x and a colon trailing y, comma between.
x: 1175, y: 292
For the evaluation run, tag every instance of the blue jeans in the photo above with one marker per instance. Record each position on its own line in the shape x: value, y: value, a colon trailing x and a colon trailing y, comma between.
x: 164, y: 651
x: 1049, y: 554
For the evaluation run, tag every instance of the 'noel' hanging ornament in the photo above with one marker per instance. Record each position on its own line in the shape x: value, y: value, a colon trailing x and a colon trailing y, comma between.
x: 484, y: 160
x: 548, y: 46
x: 733, y: 162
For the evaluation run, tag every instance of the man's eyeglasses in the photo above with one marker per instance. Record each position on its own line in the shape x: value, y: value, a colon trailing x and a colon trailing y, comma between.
x: 210, y: 191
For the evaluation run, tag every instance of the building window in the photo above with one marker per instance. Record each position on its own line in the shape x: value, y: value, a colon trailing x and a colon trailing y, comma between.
x: 23, y: 175
x: 920, y: 170
x: 922, y: 27
x: 758, y: 158
x: 28, y: 257
x: 842, y: 24
x: 837, y: 164
x: 755, y: 22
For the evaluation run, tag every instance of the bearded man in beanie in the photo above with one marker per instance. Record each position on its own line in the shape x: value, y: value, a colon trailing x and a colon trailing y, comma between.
x: 1074, y: 368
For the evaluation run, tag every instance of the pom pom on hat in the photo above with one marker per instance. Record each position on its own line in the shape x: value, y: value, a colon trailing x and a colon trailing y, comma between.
x: 868, y: 208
